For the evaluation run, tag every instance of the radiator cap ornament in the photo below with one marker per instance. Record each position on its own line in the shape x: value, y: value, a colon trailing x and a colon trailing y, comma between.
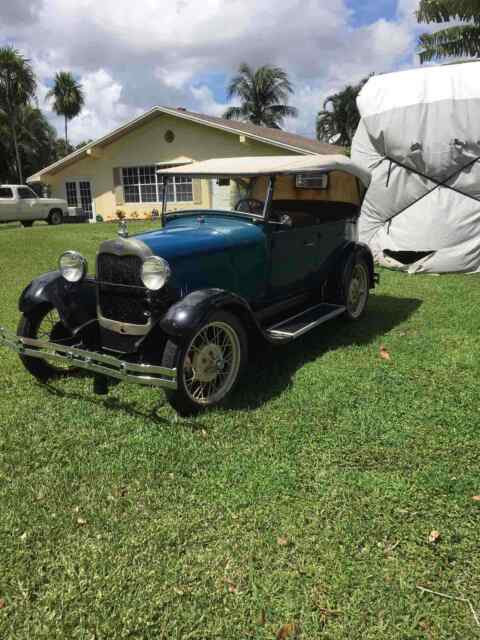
x: 123, y: 229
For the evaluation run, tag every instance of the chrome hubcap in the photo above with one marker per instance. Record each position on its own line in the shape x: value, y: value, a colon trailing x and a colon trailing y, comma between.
x: 211, y: 364
x: 358, y: 290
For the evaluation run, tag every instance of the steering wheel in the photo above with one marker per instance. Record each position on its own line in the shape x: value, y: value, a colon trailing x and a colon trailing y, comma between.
x: 250, y: 205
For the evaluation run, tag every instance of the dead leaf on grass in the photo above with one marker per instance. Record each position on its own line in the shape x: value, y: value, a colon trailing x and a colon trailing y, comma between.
x: 231, y: 586
x: 81, y: 522
x: 3, y: 604
x: 287, y: 631
x: 384, y: 354
x: 282, y: 541
x: 476, y: 498
x: 434, y: 536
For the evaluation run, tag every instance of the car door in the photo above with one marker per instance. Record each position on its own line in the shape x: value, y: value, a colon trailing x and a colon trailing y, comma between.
x: 7, y: 204
x: 294, y: 259
x: 28, y: 204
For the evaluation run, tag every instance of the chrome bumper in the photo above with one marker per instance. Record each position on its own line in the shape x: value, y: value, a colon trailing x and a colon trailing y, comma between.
x: 100, y: 363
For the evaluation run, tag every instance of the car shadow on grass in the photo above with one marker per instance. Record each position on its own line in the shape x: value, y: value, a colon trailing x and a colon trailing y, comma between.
x: 271, y: 368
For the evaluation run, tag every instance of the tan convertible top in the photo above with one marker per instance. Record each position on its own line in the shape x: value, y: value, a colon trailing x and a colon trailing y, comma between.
x: 268, y: 165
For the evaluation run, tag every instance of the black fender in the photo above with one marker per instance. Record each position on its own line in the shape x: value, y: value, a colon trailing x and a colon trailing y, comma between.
x: 186, y: 316
x: 75, y: 302
x: 352, y: 250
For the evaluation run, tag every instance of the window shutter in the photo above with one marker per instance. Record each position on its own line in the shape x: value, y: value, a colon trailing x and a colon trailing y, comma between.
x: 197, y: 191
x: 117, y: 185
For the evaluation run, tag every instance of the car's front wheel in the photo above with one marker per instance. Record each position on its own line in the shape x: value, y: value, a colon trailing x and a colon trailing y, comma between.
x: 208, y: 364
x: 44, y: 323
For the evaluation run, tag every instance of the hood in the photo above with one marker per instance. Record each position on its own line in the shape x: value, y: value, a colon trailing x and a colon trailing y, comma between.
x: 204, y: 233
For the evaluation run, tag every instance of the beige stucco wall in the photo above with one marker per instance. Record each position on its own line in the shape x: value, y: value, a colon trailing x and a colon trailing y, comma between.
x: 146, y: 145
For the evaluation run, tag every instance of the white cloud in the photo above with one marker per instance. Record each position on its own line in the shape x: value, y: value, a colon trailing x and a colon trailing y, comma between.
x: 130, y: 56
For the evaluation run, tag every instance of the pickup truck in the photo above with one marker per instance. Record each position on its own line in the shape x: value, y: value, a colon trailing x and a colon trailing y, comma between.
x: 18, y: 202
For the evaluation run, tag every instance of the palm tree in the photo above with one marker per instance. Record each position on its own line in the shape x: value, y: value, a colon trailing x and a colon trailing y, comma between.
x: 17, y: 87
x: 460, y: 40
x: 68, y: 98
x: 263, y: 94
x: 339, y: 119
x: 36, y: 140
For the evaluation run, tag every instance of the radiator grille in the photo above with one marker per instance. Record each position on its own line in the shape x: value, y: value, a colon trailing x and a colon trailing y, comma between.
x: 117, y: 301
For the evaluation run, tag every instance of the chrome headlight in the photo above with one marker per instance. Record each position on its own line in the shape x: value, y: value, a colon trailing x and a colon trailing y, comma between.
x: 155, y: 273
x: 73, y: 266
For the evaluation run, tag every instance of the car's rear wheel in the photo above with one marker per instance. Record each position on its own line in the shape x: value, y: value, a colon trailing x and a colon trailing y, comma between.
x: 356, y: 288
x: 208, y: 364
x: 44, y: 323
x: 55, y: 217
x: 27, y: 223
x: 351, y: 287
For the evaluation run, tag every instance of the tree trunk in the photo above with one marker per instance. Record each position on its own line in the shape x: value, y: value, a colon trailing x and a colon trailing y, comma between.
x: 66, y: 138
x: 18, y: 161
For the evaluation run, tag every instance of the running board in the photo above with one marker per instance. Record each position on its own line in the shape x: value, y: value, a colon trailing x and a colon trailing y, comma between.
x: 303, y: 322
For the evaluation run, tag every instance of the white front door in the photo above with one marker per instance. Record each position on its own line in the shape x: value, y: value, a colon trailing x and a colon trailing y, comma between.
x: 221, y: 194
x: 79, y: 194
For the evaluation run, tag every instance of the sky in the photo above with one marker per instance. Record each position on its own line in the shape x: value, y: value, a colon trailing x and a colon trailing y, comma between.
x: 132, y: 55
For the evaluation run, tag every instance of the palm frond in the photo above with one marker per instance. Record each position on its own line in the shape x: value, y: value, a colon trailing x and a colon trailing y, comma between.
x: 446, y: 10
x: 457, y: 41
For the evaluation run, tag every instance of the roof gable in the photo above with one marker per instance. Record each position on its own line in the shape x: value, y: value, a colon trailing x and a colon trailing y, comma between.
x: 275, y: 137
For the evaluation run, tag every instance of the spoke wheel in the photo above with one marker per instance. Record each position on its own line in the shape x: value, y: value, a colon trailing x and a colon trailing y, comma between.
x: 208, y: 364
x: 212, y: 362
x: 44, y: 323
x: 51, y: 329
x: 357, y: 290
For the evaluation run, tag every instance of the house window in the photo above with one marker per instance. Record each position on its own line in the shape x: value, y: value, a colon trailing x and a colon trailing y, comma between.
x: 311, y: 181
x: 71, y: 189
x: 142, y: 184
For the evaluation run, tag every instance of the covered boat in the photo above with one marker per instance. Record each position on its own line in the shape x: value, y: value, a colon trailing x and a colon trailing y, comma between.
x: 419, y: 135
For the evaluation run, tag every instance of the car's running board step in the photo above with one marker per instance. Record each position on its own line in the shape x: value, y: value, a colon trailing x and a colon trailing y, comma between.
x: 303, y: 322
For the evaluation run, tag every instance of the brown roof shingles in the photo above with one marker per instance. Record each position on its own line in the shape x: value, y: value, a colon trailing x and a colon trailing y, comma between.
x: 275, y: 135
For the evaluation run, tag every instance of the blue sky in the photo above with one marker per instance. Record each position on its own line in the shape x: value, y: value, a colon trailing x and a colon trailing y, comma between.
x: 131, y: 56
x: 366, y: 12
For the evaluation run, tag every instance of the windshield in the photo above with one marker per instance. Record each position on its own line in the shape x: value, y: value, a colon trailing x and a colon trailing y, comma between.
x: 243, y: 195
x: 272, y: 197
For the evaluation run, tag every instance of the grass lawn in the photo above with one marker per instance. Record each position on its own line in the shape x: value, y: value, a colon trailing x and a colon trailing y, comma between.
x: 307, y: 501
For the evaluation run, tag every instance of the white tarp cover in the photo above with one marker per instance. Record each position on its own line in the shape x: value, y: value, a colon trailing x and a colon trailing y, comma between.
x: 269, y: 165
x: 418, y: 129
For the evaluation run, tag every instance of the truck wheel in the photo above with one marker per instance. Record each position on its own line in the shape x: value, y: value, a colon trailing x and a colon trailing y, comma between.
x: 26, y: 223
x: 55, y: 217
x: 355, y: 288
x: 208, y: 364
x: 43, y: 323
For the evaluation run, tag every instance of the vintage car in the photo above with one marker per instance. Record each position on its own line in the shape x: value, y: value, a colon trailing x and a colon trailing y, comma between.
x: 177, y: 307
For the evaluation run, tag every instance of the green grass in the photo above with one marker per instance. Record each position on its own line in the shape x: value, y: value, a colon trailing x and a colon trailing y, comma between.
x: 120, y: 520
